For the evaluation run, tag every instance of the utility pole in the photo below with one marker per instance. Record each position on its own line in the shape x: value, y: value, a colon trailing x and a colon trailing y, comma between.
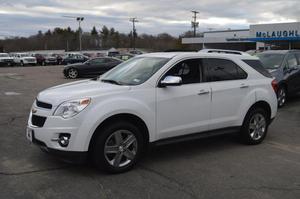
x: 79, y: 20
x: 133, y: 20
x: 195, y: 24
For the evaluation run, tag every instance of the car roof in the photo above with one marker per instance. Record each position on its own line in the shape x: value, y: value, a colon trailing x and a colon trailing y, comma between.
x: 197, y: 54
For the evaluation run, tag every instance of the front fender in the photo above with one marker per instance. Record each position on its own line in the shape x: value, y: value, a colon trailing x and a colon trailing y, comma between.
x: 110, y: 107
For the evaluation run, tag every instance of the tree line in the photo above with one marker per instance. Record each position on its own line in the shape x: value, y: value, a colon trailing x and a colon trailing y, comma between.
x: 105, y: 38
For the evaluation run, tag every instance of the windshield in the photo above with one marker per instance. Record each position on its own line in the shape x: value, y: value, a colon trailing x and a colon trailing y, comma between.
x: 135, y: 71
x: 4, y: 55
x: 271, y: 60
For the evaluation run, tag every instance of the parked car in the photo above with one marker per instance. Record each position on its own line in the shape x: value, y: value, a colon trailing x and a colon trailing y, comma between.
x: 136, y: 52
x: 154, y: 98
x: 93, y: 67
x: 59, y: 58
x: 44, y: 59
x: 23, y: 59
x: 124, y: 56
x: 6, y: 60
x: 284, y: 65
x: 74, y: 58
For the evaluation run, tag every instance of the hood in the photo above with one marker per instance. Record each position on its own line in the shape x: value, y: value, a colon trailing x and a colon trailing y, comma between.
x: 7, y: 58
x: 28, y: 58
x: 76, y: 90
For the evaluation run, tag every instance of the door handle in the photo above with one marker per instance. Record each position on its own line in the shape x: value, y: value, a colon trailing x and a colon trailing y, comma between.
x: 203, y: 92
x: 244, y: 86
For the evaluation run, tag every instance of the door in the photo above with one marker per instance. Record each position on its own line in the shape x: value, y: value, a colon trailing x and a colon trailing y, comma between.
x: 96, y: 66
x: 291, y: 72
x: 183, y: 109
x: 110, y: 63
x: 229, y: 90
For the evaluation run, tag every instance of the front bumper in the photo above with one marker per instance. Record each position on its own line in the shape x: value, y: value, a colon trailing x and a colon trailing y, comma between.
x: 48, y: 129
x: 76, y: 157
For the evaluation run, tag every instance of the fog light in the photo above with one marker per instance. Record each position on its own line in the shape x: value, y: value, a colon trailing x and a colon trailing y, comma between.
x: 63, y: 139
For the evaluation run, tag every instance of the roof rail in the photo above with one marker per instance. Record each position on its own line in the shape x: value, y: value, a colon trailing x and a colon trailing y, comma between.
x: 235, y: 52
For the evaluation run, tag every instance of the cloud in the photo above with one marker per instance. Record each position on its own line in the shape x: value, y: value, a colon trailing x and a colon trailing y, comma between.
x: 26, y: 17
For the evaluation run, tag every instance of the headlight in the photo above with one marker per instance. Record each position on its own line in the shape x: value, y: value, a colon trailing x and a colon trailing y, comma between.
x: 71, y: 108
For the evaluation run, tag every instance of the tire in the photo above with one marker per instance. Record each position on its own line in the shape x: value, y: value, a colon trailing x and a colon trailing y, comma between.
x: 43, y: 63
x: 255, y: 126
x: 124, y: 144
x: 22, y: 63
x: 281, y: 96
x: 72, y: 73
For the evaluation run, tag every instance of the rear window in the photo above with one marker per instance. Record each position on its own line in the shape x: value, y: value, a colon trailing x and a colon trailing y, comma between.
x: 257, y: 65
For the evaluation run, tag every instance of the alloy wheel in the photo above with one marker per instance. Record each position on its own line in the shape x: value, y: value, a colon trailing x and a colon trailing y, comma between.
x: 120, y: 148
x: 72, y: 73
x: 257, y: 126
x: 281, y: 97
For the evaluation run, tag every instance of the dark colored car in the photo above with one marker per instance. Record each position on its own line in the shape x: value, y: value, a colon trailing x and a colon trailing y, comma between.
x: 93, y: 67
x: 59, y: 58
x: 44, y: 59
x: 284, y: 65
x: 74, y: 58
x: 124, y: 56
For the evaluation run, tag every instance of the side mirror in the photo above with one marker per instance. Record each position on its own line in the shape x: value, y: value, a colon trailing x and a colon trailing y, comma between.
x: 171, y: 81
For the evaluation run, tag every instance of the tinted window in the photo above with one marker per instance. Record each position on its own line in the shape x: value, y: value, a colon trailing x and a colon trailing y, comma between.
x: 271, y: 60
x: 188, y: 70
x: 257, y: 65
x: 222, y: 70
x: 291, y: 60
x: 96, y: 61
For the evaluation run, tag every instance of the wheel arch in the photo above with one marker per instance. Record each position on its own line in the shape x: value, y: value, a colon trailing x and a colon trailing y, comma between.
x: 129, y: 117
x: 264, y: 105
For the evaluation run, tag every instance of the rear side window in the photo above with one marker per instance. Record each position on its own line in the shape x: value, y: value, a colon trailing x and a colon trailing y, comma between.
x: 222, y: 70
x: 257, y: 65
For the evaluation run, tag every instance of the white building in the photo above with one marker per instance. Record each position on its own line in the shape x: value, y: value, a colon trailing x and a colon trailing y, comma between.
x: 275, y: 36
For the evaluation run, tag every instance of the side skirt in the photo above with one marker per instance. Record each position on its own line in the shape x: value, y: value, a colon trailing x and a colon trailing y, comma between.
x: 196, y: 136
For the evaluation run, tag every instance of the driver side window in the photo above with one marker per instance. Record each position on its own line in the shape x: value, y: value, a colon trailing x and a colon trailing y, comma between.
x: 291, y: 61
x: 189, y: 71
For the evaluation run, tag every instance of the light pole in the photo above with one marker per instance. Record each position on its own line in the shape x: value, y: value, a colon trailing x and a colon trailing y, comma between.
x: 133, y: 20
x: 79, y: 20
x: 195, y: 24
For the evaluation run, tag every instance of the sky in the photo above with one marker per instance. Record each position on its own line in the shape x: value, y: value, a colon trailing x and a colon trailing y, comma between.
x: 26, y: 17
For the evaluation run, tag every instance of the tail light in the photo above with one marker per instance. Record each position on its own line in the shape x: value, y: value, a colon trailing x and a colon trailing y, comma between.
x: 275, y: 85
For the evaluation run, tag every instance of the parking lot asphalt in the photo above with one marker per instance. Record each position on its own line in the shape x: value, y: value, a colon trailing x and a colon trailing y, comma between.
x: 217, y: 167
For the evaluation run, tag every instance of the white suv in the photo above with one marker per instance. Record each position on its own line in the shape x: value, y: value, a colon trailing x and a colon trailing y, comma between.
x: 154, y: 98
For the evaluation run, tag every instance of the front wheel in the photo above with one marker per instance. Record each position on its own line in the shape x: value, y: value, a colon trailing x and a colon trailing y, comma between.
x: 72, y: 73
x: 255, y: 126
x: 281, y: 96
x: 118, y: 147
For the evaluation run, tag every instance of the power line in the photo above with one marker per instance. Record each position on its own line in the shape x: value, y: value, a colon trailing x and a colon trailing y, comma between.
x: 133, y: 20
x: 195, y: 24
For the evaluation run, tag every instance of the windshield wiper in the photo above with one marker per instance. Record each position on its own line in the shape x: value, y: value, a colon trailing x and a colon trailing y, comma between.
x: 111, y: 81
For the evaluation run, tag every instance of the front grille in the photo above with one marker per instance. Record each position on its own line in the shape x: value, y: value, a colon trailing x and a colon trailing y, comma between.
x: 43, y: 105
x: 30, y: 60
x: 38, y: 121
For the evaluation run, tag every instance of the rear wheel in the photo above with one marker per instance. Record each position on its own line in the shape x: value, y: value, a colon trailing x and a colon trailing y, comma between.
x: 255, y: 126
x: 117, y: 148
x: 281, y: 96
x: 22, y: 63
x: 72, y: 73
